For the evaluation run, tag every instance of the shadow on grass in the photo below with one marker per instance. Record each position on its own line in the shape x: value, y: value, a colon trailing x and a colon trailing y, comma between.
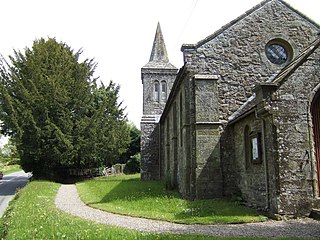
x: 150, y: 199
x: 133, y: 189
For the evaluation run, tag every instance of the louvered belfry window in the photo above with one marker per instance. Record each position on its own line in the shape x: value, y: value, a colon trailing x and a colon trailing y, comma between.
x: 156, y: 92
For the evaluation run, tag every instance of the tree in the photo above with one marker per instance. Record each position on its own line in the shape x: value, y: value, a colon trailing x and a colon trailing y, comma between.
x: 134, y: 146
x: 55, y: 112
x: 9, y: 150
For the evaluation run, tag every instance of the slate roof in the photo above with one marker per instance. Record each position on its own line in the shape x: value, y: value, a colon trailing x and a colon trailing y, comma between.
x: 244, y: 109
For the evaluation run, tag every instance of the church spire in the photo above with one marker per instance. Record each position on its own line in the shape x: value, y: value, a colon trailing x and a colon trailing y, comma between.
x: 159, y: 56
x: 159, y: 51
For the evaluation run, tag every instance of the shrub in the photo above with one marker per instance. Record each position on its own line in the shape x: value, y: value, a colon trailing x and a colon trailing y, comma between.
x: 12, y: 161
x: 168, y: 182
x: 133, y: 165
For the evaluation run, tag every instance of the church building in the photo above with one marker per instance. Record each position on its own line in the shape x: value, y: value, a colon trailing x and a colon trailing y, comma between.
x: 241, y: 117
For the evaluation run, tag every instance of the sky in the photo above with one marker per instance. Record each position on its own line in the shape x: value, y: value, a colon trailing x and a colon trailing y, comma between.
x: 119, y: 34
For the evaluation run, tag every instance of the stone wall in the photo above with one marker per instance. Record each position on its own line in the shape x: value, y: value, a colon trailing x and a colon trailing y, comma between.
x: 175, y: 141
x: 237, y: 54
x: 208, y: 176
x: 290, y: 107
x: 149, y: 76
x: 203, y: 154
x: 284, y: 182
x: 152, y: 109
x: 252, y: 175
x: 190, y: 147
x: 150, y: 147
x: 237, y: 51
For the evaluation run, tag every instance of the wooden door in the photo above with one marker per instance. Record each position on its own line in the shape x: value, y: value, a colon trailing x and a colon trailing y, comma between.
x: 315, y: 111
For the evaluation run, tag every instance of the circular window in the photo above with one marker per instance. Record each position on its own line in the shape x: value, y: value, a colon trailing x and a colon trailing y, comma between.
x: 278, y: 51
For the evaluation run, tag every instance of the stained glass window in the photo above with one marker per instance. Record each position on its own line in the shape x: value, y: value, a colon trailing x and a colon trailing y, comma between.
x: 278, y: 51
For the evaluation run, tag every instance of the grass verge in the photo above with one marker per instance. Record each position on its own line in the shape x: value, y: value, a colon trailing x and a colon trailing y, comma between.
x: 126, y: 194
x: 10, y: 169
x: 32, y: 215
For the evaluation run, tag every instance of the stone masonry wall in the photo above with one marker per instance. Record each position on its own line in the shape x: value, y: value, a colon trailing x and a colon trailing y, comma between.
x: 186, y: 173
x: 210, y: 153
x: 150, y: 147
x: 271, y: 165
x: 175, y: 137
x: 150, y: 106
x: 208, y: 177
x: 190, y: 152
x: 251, y: 175
x: 284, y: 183
x: 237, y: 54
x: 258, y: 182
x: 152, y: 110
x: 291, y: 116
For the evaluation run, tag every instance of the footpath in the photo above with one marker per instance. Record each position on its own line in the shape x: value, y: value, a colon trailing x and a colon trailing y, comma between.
x: 68, y: 200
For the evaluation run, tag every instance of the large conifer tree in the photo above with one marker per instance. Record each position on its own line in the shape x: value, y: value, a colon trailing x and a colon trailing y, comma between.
x: 58, y: 117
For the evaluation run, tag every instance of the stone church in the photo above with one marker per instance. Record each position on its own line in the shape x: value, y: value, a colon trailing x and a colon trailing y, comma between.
x: 241, y: 117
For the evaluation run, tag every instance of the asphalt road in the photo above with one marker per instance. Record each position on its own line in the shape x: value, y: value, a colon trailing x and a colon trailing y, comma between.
x: 8, y: 188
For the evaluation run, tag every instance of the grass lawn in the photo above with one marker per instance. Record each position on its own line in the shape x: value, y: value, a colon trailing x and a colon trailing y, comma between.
x: 32, y: 215
x: 126, y: 194
x: 10, y: 169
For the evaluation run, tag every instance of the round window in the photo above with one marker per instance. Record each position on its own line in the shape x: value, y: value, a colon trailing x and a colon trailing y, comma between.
x: 278, y: 51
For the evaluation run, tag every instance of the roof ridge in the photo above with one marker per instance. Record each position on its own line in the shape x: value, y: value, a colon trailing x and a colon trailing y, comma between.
x: 226, y: 26
x: 242, y: 16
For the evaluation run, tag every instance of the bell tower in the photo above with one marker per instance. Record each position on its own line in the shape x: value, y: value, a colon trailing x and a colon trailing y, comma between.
x: 157, y: 77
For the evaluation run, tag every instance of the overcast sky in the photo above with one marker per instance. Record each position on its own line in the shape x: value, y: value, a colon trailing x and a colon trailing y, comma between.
x: 119, y: 33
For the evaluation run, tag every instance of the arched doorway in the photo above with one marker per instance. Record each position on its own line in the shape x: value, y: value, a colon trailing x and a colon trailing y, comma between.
x: 315, y: 111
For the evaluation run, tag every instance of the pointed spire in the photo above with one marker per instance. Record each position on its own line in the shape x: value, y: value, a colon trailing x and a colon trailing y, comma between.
x: 159, y: 56
x: 159, y: 51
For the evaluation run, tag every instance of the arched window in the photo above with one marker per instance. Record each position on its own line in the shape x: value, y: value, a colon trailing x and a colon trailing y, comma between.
x: 156, y: 92
x: 163, y: 91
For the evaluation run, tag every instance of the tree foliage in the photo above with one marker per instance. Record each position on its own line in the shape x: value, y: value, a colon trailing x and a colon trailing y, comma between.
x: 56, y: 113
x: 134, y: 146
x: 9, y: 150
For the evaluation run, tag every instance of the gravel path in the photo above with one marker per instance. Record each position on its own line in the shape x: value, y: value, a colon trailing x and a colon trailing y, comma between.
x: 68, y: 200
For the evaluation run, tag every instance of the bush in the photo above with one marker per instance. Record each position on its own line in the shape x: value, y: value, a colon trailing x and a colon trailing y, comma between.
x: 169, y: 185
x: 133, y: 165
x: 12, y: 161
x: 9, y: 161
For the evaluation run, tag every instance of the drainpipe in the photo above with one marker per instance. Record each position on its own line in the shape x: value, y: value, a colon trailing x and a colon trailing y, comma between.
x: 264, y: 158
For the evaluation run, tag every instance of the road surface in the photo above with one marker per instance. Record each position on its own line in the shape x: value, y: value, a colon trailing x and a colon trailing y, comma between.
x: 8, y: 187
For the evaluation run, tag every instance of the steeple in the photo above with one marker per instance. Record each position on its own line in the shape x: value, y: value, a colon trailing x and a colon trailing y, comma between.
x: 157, y: 76
x: 159, y: 51
x: 159, y: 56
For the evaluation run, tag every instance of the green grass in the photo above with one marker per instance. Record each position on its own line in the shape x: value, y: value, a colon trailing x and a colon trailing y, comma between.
x: 10, y: 169
x: 127, y: 195
x: 32, y: 215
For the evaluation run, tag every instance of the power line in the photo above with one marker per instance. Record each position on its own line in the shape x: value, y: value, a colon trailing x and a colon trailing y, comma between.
x: 195, y: 2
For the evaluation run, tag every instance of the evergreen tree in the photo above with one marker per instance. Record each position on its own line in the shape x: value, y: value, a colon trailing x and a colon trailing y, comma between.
x: 58, y: 117
x: 134, y: 146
